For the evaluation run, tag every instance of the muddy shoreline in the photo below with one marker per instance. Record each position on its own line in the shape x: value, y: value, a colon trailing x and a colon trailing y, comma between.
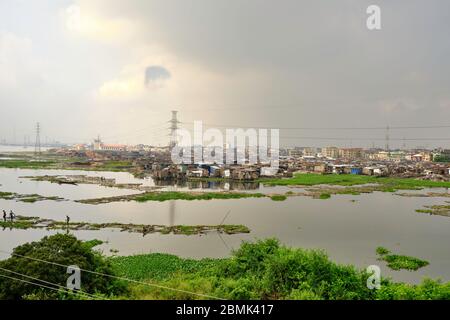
x: 23, y: 222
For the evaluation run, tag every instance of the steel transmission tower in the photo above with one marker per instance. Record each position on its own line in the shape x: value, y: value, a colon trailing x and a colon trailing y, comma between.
x: 173, y: 129
x: 37, y: 145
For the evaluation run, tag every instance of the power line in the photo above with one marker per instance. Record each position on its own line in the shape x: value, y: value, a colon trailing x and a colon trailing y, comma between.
x: 116, y: 277
x: 54, y: 284
x: 32, y: 283
x: 324, y: 128
x: 364, y: 139
x: 128, y: 133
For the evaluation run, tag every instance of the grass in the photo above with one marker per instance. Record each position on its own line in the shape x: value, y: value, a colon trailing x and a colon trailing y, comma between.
x: 7, y: 195
x: 111, y: 165
x: 278, y: 197
x: 234, y: 228
x: 173, y: 195
x: 324, y: 196
x: 26, y: 164
x: 400, y: 262
x: 27, y: 198
x: 22, y: 222
x: 382, y: 251
x: 158, y: 266
x: 93, y: 243
x: 442, y: 210
x: 425, y: 211
x: 16, y: 224
x: 66, y: 164
x: 310, y: 179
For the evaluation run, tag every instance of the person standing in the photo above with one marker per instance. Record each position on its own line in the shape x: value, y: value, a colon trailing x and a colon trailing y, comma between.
x: 11, y: 215
x: 4, y: 215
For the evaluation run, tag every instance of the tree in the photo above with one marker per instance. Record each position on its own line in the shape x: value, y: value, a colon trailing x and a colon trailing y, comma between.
x: 62, y: 250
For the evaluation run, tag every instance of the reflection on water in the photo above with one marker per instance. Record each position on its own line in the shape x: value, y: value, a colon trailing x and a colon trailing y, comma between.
x: 208, y: 185
x: 348, y: 230
x: 172, y: 213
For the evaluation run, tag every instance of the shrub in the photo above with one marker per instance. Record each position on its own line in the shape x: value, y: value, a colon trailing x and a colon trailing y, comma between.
x: 382, y: 251
x: 279, y: 272
x: 427, y: 290
x: 62, y: 249
x: 278, y: 197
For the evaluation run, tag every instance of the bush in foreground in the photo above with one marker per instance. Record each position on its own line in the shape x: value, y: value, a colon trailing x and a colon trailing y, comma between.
x: 61, y: 249
x: 261, y: 270
x: 268, y: 270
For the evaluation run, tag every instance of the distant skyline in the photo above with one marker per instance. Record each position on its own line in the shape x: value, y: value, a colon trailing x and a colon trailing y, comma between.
x: 117, y: 68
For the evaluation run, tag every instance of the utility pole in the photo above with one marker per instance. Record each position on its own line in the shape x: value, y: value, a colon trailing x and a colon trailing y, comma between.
x: 37, y: 145
x: 173, y: 129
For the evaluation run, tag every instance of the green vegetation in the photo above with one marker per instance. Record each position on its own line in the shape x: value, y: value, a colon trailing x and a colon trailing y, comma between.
x: 425, y: 211
x: 233, y: 228
x: 29, y: 198
x: 93, y: 243
x: 164, y: 196
x: 16, y: 224
x: 115, y: 166
x: 6, y: 195
x: 442, y: 210
x: 324, y: 196
x: 263, y: 270
x: 158, y: 266
x: 310, y: 179
x: 26, y: 164
x: 427, y: 290
x: 398, y: 262
x: 382, y: 251
x: 63, y: 250
x: 172, y: 195
x: 441, y: 158
x: 51, y: 161
x: 22, y: 222
x: 278, y: 197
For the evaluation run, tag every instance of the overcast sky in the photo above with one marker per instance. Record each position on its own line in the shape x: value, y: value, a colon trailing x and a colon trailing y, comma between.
x: 116, y: 68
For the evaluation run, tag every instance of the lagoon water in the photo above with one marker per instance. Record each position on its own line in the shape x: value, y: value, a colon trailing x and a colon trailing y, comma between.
x: 8, y: 148
x: 349, y: 231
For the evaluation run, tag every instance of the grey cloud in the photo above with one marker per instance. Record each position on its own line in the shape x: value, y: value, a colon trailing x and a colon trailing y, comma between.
x: 320, y: 64
x: 156, y: 73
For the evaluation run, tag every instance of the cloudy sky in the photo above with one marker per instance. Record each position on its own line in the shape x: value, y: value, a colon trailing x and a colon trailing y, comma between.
x: 116, y: 68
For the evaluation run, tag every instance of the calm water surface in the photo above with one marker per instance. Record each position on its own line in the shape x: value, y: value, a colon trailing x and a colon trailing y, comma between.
x: 349, y: 231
